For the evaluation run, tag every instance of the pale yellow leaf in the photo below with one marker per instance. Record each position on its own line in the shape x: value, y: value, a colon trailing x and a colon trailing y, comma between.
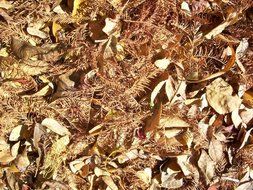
x: 36, y: 32
x: 109, y: 181
x: 3, y: 52
x: 173, y: 121
x: 162, y: 63
x: 185, y: 6
x: 15, y: 133
x: 132, y: 154
x: 155, y: 92
x: 54, y: 126
x: 14, y: 149
x: 145, y: 175
x: 76, y: 165
x: 172, y: 132
x: 6, y: 4
x: 170, y: 88
x: 99, y: 172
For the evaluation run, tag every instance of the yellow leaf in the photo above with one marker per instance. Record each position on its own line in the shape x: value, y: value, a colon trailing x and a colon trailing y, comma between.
x: 55, y: 28
x: 76, y: 6
x: 162, y: 63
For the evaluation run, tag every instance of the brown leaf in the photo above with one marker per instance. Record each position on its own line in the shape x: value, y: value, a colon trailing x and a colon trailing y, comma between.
x: 248, y: 97
x: 219, y: 96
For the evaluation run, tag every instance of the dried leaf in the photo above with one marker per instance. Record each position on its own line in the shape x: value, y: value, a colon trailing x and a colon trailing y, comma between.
x: 3, y: 52
x: 162, y: 63
x: 109, y: 181
x: 170, y: 88
x: 99, y: 172
x: 133, y: 154
x: 155, y: 92
x: 16, y: 133
x: 22, y: 161
x: 240, y: 51
x: 246, y: 138
x: 112, y: 26
x: 227, y: 67
x: 173, y: 121
x: 185, y: 6
x: 172, y: 132
x: 54, y: 126
x: 206, y: 165
x: 183, y: 162
x: 6, y: 4
x: 219, y: 96
x: 248, y: 97
x: 34, y: 31
x: 215, y: 150
x: 55, y: 29
x: 232, y: 18
x: 145, y: 175
x: 236, y: 118
x: 76, y: 165
x: 14, y: 149
x: 76, y: 6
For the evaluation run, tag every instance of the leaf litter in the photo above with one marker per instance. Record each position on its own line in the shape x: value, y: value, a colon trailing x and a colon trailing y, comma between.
x: 126, y: 94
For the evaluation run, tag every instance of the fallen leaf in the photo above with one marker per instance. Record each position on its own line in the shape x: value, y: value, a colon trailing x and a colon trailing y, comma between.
x: 131, y: 155
x: 22, y: 161
x: 76, y: 165
x: 248, y: 97
x: 155, y: 92
x: 170, y: 88
x: 99, y: 172
x: 16, y: 133
x: 219, y: 96
x: 54, y: 126
x: 240, y: 52
x: 36, y: 32
x: 14, y: 149
x: 109, y: 181
x: 3, y: 52
x: 215, y: 150
x: 162, y: 63
x: 173, y: 121
x: 76, y: 6
x: 185, y: 6
x: 231, y: 19
x: 172, y: 132
x: 145, y: 175
x: 183, y: 162
x: 206, y: 165
x: 55, y: 29
x: 6, y: 4
x: 237, y: 120
x: 112, y: 27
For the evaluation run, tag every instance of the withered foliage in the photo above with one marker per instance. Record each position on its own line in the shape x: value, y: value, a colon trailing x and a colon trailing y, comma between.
x: 126, y: 94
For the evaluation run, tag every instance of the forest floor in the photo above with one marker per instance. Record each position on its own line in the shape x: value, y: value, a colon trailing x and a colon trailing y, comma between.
x: 126, y: 94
